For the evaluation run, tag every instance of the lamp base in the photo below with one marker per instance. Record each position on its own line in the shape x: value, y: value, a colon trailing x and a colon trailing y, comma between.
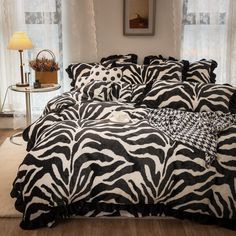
x: 22, y: 84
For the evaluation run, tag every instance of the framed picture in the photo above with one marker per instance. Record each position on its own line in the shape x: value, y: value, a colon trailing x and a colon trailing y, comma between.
x: 139, y: 17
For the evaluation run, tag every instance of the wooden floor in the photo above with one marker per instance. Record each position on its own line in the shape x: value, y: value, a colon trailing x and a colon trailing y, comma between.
x: 113, y: 227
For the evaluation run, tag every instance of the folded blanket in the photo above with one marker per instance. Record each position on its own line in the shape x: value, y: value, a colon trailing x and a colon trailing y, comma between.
x: 200, y: 130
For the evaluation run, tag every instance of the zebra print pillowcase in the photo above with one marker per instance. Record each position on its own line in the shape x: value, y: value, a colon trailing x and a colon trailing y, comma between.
x: 137, y: 92
x: 106, y: 91
x: 190, y: 96
x: 122, y: 92
x: 113, y: 91
x: 199, y: 71
x: 142, y: 74
x: 170, y: 69
x: 202, y: 71
x: 149, y: 59
x: 127, y: 92
x: 98, y: 91
x: 121, y: 59
x: 77, y: 71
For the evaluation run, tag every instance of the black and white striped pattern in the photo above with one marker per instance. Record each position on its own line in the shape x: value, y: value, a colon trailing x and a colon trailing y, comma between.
x: 202, y: 71
x: 79, y: 162
x: 137, y: 92
x: 98, y: 91
x: 111, y: 61
x: 79, y: 71
x: 132, y: 73
x: 179, y: 65
x: 164, y: 71
x: 190, y: 96
x: 142, y: 74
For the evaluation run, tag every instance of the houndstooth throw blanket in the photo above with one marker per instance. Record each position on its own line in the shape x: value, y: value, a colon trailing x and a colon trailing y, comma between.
x: 199, y: 130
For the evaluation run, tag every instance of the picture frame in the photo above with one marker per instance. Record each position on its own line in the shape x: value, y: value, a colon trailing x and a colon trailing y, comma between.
x: 139, y: 17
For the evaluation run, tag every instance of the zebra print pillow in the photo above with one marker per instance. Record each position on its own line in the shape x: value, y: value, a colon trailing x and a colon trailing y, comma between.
x: 190, y: 96
x: 199, y: 71
x: 127, y: 92
x: 77, y: 71
x: 202, y: 71
x: 124, y: 91
x: 166, y: 70
x: 137, y: 92
x: 158, y: 60
x: 149, y: 59
x: 106, y: 91
x: 100, y: 73
x: 98, y: 91
x: 111, y: 60
x: 142, y: 74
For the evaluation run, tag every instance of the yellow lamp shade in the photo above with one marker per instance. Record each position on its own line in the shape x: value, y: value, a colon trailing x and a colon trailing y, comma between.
x: 20, y: 41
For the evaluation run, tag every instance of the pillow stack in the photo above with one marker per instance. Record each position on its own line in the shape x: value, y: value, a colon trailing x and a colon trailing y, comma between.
x: 88, y: 77
x: 158, y: 83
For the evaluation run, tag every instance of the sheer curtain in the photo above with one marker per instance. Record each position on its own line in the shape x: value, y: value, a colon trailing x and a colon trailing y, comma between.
x: 79, y: 33
x: 177, y: 6
x: 65, y: 27
x: 231, y: 44
x: 42, y: 21
x: 9, y: 60
x: 209, y: 32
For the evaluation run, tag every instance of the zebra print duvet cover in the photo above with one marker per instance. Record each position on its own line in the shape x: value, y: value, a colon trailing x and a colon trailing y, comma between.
x: 83, y: 162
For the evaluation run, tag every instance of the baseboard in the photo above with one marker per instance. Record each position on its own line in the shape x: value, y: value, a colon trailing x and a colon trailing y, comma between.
x: 6, y: 114
x: 6, y: 123
x: 6, y: 120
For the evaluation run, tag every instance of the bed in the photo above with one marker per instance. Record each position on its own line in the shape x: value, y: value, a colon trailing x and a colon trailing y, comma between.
x: 143, y: 142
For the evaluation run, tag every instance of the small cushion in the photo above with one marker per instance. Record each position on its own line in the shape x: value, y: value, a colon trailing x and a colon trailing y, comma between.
x: 97, y: 91
x: 142, y: 74
x: 100, y: 73
x: 202, y: 71
x: 137, y: 92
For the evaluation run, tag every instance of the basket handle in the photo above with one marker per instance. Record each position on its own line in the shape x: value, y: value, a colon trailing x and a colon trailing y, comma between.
x: 49, y: 51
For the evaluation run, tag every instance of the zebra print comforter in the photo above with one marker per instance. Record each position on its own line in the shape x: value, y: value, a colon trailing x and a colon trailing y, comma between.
x: 82, y: 162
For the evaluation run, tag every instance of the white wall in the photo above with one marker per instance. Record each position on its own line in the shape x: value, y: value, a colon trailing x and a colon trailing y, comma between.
x: 109, y: 31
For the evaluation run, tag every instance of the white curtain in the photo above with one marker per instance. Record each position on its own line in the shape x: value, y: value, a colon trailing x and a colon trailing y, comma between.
x: 35, y: 18
x: 209, y: 32
x: 65, y: 27
x: 177, y: 6
x: 79, y: 33
x: 231, y: 44
x: 10, y: 60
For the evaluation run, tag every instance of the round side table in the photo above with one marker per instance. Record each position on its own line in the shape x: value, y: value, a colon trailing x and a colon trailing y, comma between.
x: 28, y: 91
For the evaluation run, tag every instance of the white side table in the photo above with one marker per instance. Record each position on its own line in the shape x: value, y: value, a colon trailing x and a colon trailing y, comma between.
x: 28, y: 91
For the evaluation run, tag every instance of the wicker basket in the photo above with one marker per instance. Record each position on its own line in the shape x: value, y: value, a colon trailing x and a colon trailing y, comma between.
x: 46, y: 77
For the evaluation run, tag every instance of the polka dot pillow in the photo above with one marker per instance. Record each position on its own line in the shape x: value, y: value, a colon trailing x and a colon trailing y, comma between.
x: 100, y: 73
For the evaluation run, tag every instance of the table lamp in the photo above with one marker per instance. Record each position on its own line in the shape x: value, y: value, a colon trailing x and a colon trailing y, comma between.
x: 20, y: 41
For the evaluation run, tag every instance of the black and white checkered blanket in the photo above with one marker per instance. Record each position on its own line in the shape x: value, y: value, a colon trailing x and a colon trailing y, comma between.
x: 199, y: 130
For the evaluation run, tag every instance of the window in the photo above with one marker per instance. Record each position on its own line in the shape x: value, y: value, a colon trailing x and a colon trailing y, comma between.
x: 205, y: 32
x: 42, y: 20
x: 44, y: 24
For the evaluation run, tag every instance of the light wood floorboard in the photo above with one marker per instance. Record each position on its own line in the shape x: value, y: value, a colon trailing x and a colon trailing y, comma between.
x: 116, y: 227
x: 112, y: 227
